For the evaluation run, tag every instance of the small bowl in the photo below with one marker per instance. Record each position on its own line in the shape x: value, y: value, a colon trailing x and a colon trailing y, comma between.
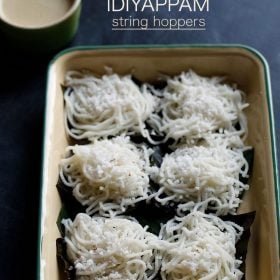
x: 47, y: 37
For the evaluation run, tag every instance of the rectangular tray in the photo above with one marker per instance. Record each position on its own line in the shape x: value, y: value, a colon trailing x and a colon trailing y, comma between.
x: 240, y: 64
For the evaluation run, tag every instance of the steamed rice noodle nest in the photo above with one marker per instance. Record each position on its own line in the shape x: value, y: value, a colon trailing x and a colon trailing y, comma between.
x: 200, y: 246
x: 107, y: 176
x: 110, y: 248
x: 208, y: 176
x: 108, y: 106
x: 194, y: 106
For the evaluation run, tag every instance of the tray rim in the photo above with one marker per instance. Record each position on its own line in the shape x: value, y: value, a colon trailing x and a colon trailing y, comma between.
x: 251, y: 50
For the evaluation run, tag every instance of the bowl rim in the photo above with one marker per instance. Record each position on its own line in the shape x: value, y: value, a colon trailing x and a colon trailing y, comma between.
x: 74, y: 7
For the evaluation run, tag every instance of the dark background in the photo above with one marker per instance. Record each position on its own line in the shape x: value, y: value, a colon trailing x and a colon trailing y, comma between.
x: 22, y: 102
